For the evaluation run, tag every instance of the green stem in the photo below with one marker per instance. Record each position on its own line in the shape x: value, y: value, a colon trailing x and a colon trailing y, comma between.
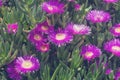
x: 56, y: 71
x: 107, y: 6
x: 29, y: 76
x: 53, y: 21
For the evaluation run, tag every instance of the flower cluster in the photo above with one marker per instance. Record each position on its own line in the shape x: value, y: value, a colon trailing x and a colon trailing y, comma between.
x: 56, y: 30
x: 38, y: 36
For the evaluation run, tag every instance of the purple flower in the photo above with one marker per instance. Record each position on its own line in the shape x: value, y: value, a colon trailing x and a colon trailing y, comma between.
x: 60, y: 37
x: 115, y: 30
x: 12, y: 28
x: 35, y: 36
x: 42, y: 47
x: 110, y: 1
x: 117, y: 75
x: 12, y: 71
x: 97, y: 16
x: 77, y: 7
x: 1, y: 3
x: 108, y: 71
x: 78, y: 29
x: 27, y: 64
x: 53, y: 7
x: 44, y: 27
x: 113, y: 46
x: 90, y: 52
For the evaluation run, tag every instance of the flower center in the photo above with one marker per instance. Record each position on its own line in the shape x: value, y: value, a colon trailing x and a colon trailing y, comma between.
x: 98, y: 17
x: 37, y: 37
x: 60, y: 36
x: 27, y: 64
x: 117, y: 30
x: 44, y: 28
x: 43, y: 48
x: 50, y: 8
x: 77, y: 28
x: 89, y: 54
x: 14, y: 30
x: 116, y: 48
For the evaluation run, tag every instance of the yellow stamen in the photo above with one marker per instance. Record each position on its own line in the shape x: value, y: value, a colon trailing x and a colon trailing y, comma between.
x: 43, y: 47
x: 27, y: 64
x: 116, y: 48
x: 77, y: 28
x: 50, y: 8
x: 37, y: 37
x: 117, y: 30
x: 44, y: 28
x: 89, y: 54
x: 98, y: 17
x: 60, y: 36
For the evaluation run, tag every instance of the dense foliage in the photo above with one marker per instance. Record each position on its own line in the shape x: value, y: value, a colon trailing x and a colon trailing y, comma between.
x: 59, y: 39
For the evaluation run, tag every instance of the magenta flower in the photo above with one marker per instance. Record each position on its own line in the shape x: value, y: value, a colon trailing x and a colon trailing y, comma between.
x: 27, y: 64
x: 12, y: 28
x: 60, y: 37
x: 115, y: 30
x: 117, y: 75
x: 90, y: 52
x: 78, y: 29
x: 97, y: 16
x: 12, y: 72
x: 1, y: 3
x: 42, y: 47
x: 108, y: 71
x: 110, y: 1
x: 44, y: 27
x: 35, y: 36
x: 77, y: 7
x: 53, y: 7
x: 113, y: 46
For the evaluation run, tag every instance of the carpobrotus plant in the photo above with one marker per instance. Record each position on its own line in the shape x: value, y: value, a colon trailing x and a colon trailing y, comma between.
x: 59, y: 39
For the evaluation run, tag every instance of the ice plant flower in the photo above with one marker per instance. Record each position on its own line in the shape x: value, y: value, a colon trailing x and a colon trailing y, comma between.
x: 78, y: 29
x: 44, y: 27
x: 12, y: 28
x: 113, y: 46
x: 60, y: 37
x: 108, y: 71
x: 90, y: 52
x: 77, y: 7
x: 42, y: 47
x: 117, y: 75
x: 110, y: 1
x: 27, y: 64
x: 12, y: 71
x: 115, y: 30
x: 1, y: 3
x: 53, y: 7
x: 35, y: 36
x: 97, y: 16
